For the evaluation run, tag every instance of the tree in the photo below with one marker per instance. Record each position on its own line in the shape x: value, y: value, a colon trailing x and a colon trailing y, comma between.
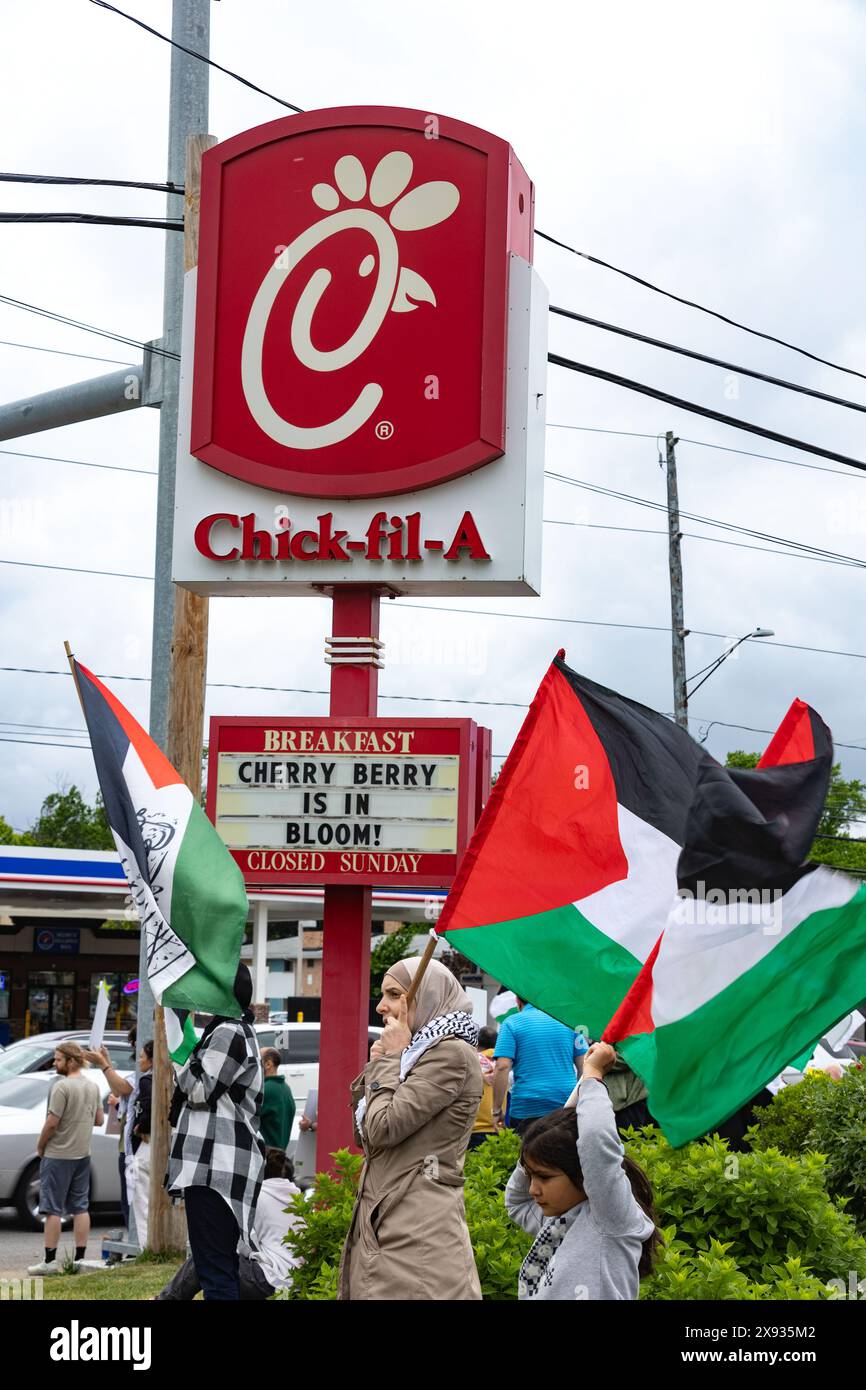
x: 396, y: 946
x: 9, y: 837
x: 845, y: 804
x: 67, y: 822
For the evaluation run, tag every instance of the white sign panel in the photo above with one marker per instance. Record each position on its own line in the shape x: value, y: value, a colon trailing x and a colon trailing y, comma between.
x: 400, y: 803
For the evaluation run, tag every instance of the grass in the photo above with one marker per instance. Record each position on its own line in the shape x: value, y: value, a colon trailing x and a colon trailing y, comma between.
x: 138, y: 1279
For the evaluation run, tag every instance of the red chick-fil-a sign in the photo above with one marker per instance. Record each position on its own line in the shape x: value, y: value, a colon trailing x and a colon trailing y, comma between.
x: 353, y: 273
x: 363, y: 362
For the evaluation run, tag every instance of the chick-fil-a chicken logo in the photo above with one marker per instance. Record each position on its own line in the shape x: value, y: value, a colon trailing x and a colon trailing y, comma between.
x: 423, y: 206
x: 351, y: 316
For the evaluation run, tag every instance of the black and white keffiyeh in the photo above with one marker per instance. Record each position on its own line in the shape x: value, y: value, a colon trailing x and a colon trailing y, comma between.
x: 536, y: 1272
x: 456, y: 1025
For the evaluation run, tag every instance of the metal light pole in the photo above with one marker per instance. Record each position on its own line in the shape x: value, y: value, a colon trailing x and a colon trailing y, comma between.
x: 714, y: 665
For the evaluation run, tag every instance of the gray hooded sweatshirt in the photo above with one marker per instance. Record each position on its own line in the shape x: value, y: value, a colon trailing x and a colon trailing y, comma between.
x: 598, y: 1256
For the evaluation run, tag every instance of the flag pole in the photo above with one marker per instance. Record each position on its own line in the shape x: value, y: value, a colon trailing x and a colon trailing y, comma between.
x: 71, y: 659
x: 432, y: 942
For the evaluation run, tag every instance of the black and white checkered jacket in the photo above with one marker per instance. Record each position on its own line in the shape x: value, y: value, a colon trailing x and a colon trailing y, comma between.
x: 217, y: 1143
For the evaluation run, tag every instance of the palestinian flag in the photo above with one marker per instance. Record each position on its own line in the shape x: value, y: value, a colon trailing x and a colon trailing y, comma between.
x: 571, y: 873
x: 187, y: 889
x: 503, y: 1005
x: 762, y: 954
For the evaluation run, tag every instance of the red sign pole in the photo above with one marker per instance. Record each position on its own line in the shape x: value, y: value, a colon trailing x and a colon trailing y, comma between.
x: 348, y: 911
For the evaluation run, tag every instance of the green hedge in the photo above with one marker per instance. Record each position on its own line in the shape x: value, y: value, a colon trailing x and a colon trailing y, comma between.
x: 744, y: 1226
x: 825, y: 1116
x: 736, y: 1226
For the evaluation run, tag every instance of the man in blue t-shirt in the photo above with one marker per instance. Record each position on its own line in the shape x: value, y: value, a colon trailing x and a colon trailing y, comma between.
x: 541, y: 1052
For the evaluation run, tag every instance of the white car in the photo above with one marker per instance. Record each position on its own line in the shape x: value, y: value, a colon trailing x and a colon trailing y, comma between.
x: 23, y: 1105
x: 299, y: 1046
x: 37, y: 1052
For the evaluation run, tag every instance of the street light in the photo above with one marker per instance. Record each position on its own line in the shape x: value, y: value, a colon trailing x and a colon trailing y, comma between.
x: 714, y: 665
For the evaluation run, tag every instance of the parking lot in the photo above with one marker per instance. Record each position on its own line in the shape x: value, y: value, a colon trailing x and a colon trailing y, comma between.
x: 20, y: 1248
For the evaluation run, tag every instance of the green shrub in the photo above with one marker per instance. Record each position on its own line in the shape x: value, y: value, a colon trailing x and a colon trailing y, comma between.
x: 736, y: 1226
x: 828, y: 1117
x: 498, y: 1245
x: 683, y: 1274
x: 760, y: 1210
x: 786, y: 1123
x: 319, y: 1236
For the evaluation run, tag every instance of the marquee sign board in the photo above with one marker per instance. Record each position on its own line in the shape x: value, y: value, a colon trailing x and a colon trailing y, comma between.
x: 364, y: 362
x: 344, y: 800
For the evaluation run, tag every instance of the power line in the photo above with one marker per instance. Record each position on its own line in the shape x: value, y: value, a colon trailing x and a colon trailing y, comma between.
x: 88, y: 327
x: 748, y: 729
x: 598, y: 429
x: 96, y: 219
x: 59, y: 352
x: 704, y: 444
x: 40, y: 671
x: 95, y: 183
x: 711, y: 361
x: 695, y: 536
x: 201, y: 56
x: 42, y: 742
x: 694, y: 631
x: 749, y: 453
x: 46, y: 729
x: 692, y: 304
x: 83, y: 463
x: 851, y: 560
x: 71, y: 569
x: 282, y: 689
x: 426, y: 699
x: 629, y: 385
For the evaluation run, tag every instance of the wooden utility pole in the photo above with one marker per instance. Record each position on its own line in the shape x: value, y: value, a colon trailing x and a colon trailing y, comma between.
x: 678, y: 634
x: 166, y: 1223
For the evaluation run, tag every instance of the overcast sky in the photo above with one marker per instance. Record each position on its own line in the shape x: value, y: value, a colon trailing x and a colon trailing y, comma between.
x: 714, y: 150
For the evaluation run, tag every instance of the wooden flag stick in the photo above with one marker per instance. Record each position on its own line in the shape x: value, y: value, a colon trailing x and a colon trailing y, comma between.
x: 432, y: 941
x: 71, y: 660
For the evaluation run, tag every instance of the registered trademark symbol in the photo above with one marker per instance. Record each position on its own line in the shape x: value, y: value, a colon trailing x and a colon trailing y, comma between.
x: 384, y: 429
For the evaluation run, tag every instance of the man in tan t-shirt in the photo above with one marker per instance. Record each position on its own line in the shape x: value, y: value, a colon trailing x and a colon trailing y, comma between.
x: 74, y: 1108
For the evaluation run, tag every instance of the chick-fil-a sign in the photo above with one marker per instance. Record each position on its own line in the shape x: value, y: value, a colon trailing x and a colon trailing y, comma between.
x: 352, y: 301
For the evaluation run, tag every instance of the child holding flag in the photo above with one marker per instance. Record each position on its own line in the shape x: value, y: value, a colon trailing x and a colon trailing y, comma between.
x: 589, y: 1208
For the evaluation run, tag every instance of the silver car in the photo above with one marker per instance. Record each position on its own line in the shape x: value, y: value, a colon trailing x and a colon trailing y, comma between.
x: 37, y: 1052
x: 23, y: 1105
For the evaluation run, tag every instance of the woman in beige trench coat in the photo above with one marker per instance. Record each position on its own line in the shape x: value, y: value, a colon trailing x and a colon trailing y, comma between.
x: 415, y: 1104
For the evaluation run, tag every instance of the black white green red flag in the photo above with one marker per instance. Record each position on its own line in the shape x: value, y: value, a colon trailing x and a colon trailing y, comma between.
x: 569, y: 878
x: 187, y: 889
x: 763, y: 953
x: 587, y: 887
